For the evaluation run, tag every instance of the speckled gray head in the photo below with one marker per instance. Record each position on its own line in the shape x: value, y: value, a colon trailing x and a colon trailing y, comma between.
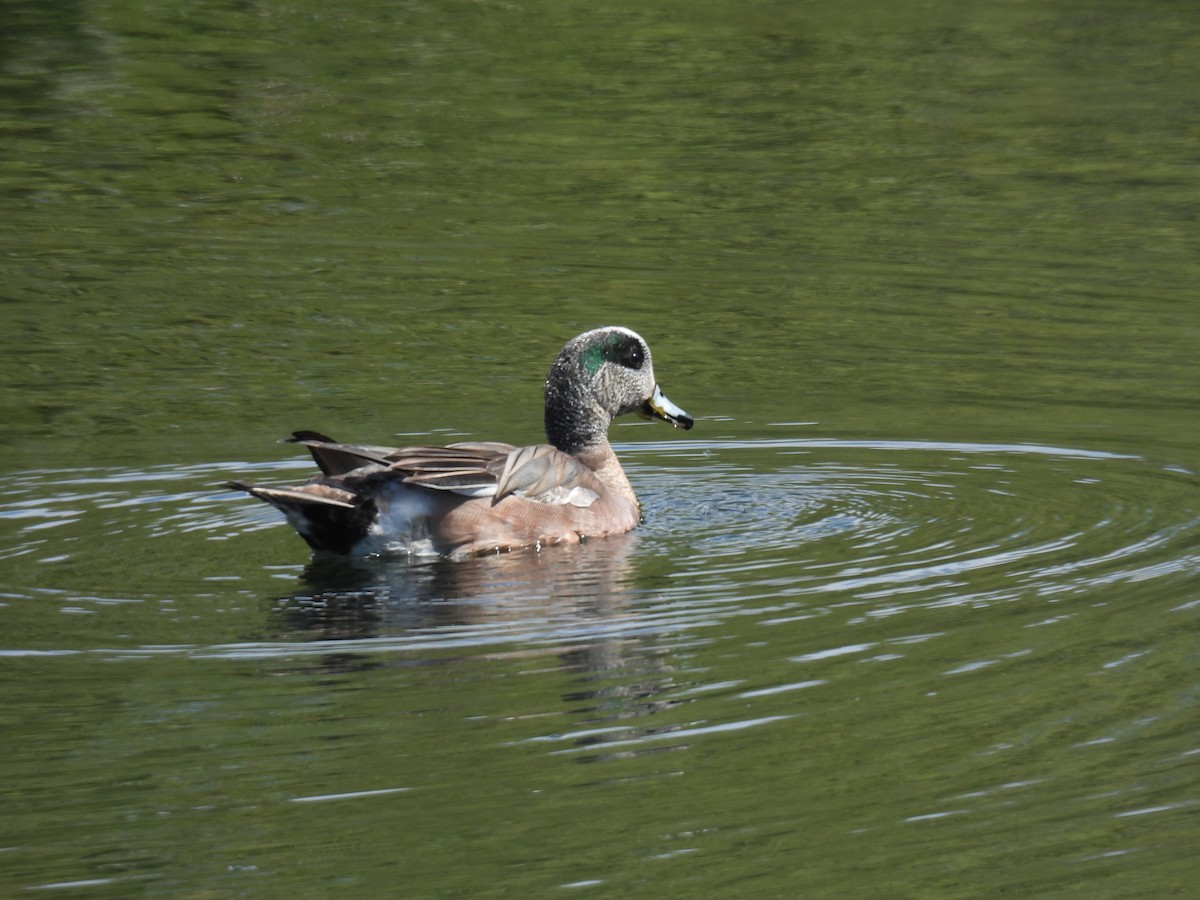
x: 599, y: 375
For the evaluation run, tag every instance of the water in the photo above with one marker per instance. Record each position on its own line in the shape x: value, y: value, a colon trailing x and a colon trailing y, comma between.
x: 912, y: 611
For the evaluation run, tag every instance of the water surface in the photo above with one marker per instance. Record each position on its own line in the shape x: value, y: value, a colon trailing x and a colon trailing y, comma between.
x: 912, y: 611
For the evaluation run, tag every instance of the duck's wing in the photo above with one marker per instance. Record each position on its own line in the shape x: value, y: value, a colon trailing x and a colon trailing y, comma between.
x: 539, y: 473
x: 468, y: 468
x: 547, y: 475
x: 334, y: 458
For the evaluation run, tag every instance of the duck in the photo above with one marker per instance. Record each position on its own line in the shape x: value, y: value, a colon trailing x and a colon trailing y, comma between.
x: 475, y: 497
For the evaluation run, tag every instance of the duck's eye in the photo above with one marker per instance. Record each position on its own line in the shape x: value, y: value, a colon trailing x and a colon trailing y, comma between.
x: 632, y: 356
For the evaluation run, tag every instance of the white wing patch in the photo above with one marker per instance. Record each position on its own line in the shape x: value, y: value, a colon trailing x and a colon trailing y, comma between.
x: 563, y: 496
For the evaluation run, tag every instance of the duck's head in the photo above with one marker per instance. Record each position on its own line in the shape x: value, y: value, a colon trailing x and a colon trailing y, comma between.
x: 599, y: 375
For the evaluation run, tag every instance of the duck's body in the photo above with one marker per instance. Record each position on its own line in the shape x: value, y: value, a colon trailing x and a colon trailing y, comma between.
x: 476, y: 497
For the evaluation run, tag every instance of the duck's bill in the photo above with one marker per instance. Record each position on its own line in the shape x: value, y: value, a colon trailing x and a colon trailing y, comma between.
x: 659, y: 407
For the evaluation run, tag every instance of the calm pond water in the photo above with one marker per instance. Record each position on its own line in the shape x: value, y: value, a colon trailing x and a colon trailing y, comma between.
x: 914, y: 609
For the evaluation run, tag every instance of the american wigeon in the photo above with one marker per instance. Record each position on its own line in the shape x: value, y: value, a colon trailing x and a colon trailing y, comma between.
x: 475, y: 497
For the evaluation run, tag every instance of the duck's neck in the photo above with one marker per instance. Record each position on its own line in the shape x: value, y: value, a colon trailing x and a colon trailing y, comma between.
x: 574, y: 422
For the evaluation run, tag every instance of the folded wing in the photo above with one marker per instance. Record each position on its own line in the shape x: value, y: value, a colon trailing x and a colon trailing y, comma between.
x: 540, y: 473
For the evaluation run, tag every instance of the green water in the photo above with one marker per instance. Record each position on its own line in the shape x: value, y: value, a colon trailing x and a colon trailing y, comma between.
x: 913, y: 610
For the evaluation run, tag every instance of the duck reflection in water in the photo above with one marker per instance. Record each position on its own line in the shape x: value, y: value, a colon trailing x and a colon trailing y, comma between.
x: 344, y: 598
x: 575, y: 602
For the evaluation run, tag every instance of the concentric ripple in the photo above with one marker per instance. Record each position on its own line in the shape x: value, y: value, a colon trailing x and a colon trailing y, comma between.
x: 887, y: 525
x: 780, y: 529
